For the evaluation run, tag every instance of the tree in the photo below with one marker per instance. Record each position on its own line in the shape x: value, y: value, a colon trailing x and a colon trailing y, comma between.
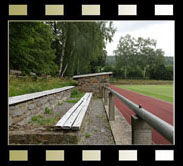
x: 145, y: 49
x: 139, y: 53
x: 62, y: 48
x: 125, y: 53
x: 30, y: 48
x: 81, y: 46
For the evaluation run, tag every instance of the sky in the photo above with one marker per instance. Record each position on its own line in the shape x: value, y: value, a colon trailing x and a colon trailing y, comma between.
x: 161, y: 31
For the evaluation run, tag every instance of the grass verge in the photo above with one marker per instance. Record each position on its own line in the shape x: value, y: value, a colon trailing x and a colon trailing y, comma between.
x: 42, y: 121
x: 72, y: 100
x: 20, y: 86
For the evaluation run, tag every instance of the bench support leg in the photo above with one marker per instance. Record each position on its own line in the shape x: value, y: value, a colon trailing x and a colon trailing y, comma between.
x: 105, y: 97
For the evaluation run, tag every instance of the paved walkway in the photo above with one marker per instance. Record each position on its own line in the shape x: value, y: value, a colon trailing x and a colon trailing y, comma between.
x: 163, y: 110
x: 97, y: 130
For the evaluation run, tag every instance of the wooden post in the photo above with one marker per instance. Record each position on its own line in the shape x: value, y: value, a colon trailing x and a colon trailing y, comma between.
x: 111, y: 107
x: 141, y: 131
x: 105, y: 96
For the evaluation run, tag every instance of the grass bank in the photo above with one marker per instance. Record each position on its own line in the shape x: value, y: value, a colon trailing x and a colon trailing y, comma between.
x: 20, y: 86
x: 162, y: 92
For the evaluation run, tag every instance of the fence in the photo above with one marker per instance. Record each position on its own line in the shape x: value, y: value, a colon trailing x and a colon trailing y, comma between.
x: 142, y: 122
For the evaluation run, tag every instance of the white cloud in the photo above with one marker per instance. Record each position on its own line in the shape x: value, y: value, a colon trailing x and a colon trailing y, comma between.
x: 161, y: 31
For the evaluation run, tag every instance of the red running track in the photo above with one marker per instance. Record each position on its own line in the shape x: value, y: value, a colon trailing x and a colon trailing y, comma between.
x: 162, y: 109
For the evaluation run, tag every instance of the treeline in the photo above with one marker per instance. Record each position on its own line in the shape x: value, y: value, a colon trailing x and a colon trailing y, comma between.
x: 139, y: 59
x: 58, y: 48
x: 111, y: 60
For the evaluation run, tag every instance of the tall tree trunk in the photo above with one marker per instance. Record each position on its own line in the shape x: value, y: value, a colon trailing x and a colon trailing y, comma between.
x: 62, y: 56
x: 64, y: 70
x: 66, y: 66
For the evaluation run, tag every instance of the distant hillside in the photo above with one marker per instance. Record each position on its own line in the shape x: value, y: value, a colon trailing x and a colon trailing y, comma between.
x: 110, y: 60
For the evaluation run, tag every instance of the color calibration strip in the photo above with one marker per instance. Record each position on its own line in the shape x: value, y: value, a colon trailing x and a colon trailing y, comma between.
x: 127, y: 10
x: 91, y: 155
x: 18, y: 155
x: 90, y: 10
x: 54, y: 155
x: 54, y: 10
x: 17, y: 10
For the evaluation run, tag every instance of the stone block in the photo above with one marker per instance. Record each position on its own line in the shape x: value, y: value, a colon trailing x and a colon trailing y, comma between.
x: 141, y: 131
x: 23, y: 106
x: 31, y: 106
x: 39, y: 104
x: 21, y: 112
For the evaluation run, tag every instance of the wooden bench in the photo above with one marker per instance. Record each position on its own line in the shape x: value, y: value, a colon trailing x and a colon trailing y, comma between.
x: 73, y: 119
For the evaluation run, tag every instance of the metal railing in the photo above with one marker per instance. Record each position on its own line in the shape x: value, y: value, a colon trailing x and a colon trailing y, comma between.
x: 153, y: 121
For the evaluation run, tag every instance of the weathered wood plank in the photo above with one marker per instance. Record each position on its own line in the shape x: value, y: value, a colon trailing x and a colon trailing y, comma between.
x: 22, y: 98
x: 92, y: 75
x: 63, y: 120
x: 79, y: 120
x: 68, y: 124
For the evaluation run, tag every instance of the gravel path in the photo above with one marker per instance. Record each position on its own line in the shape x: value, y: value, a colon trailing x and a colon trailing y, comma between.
x: 97, y: 130
x: 163, y: 110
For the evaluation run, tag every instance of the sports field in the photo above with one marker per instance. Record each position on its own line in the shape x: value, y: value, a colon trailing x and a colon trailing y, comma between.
x: 162, y: 92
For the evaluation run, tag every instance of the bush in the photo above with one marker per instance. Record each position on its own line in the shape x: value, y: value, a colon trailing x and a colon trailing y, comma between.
x: 169, y: 72
x: 135, y: 73
x: 161, y: 72
x: 118, y: 73
x: 108, y: 68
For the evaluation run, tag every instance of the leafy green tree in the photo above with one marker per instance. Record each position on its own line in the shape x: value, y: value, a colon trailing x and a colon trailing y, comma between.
x: 135, y: 73
x: 169, y: 72
x: 30, y: 48
x: 139, y: 53
x: 80, y: 46
x: 145, y: 49
x: 125, y: 53
x: 158, y: 72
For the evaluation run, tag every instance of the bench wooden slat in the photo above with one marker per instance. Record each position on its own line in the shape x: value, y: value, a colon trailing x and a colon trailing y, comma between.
x: 30, y: 96
x: 63, y: 120
x: 68, y: 124
x: 78, y: 122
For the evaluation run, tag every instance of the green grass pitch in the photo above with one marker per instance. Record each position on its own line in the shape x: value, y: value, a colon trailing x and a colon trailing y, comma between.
x: 162, y: 92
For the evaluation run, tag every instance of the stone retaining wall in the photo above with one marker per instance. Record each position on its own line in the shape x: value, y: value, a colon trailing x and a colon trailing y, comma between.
x: 22, y: 110
x: 93, y: 82
x: 48, y: 135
